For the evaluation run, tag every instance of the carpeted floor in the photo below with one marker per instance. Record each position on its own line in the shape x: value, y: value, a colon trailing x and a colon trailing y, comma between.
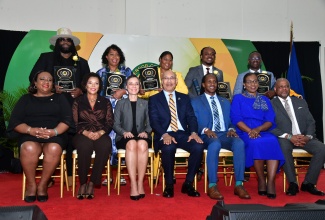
x: 151, y: 207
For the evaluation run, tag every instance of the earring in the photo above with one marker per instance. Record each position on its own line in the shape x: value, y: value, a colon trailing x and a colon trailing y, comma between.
x: 35, y: 87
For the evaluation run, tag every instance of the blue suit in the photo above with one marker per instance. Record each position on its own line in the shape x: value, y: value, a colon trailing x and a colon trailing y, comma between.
x: 203, y: 112
x: 160, y: 118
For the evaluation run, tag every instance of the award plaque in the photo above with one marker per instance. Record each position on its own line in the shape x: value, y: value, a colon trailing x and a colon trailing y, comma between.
x: 114, y: 81
x: 264, y: 81
x: 224, y: 90
x: 149, y: 78
x: 65, y: 77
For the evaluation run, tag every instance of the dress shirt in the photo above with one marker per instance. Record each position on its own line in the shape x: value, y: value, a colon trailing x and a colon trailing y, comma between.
x: 205, y: 69
x: 180, y: 127
x: 221, y: 121
x: 295, y: 122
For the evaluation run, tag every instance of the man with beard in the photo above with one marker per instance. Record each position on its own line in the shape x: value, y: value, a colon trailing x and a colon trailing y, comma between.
x: 195, y: 74
x: 64, y: 54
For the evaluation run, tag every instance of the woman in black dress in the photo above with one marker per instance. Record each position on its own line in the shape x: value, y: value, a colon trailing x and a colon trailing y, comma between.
x: 93, y: 116
x: 132, y: 127
x: 41, y: 119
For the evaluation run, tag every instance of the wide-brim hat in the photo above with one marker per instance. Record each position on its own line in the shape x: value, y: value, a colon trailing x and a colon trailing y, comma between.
x: 65, y: 33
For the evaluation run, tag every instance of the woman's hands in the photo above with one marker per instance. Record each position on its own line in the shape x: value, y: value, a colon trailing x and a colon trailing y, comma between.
x: 43, y: 133
x: 254, y: 133
x: 93, y: 135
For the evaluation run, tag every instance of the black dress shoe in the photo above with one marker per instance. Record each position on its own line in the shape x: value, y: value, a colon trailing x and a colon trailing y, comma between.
x: 271, y: 196
x: 168, y: 192
x: 135, y: 198
x: 293, y: 189
x: 262, y: 193
x: 189, y: 189
x: 142, y: 196
x: 42, y: 198
x: 309, y: 187
x: 30, y: 199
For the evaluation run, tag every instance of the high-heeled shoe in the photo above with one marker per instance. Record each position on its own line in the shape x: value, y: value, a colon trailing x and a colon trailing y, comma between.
x: 42, y: 198
x: 142, y: 196
x: 135, y: 197
x: 81, y: 192
x: 262, y: 192
x: 90, y: 195
x: 271, y: 195
x: 30, y: 199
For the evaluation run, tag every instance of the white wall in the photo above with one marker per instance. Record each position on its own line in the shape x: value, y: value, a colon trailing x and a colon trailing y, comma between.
x: 256, y: 20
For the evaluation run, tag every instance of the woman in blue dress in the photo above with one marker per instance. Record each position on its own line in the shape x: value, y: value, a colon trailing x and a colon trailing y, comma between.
x: 254, y: 118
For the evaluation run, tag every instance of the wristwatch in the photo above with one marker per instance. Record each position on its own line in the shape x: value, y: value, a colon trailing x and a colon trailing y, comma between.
x: 310, y: 136
x: 232, y: 129
x: 193, y: 133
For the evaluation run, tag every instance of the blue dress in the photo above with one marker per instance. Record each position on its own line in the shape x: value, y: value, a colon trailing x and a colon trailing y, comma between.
x: 265, y: 147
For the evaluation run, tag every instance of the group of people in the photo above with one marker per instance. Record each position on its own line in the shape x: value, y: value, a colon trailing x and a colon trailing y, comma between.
x: 260, y: 133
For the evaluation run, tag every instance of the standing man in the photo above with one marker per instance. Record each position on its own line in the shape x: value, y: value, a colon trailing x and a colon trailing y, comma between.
x: 195, y: 74
x: 64, y: 54
x: 296, y: 129
x: 174, y: 124
x: 216, y: 130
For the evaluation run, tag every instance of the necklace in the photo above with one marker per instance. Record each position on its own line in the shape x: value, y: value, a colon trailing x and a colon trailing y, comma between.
x: 92, y: 100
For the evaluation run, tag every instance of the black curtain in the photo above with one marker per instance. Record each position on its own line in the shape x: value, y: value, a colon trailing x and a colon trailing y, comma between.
x: 275, y: 56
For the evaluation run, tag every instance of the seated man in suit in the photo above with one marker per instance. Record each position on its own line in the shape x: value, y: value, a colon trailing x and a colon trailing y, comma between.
x: 296, y: 129
x: 195, y: 74
x: 216, y: 130
x: 174, y: 124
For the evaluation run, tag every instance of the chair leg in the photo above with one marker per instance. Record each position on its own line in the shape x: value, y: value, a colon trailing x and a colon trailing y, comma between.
x: 158, y: 170
x: 73, y: 176
x: 205, y: 174
x: 118, y: 176
x: 24, y: 186
x: 61, y: 175
x: 108, y: 172
x: 151, y: 173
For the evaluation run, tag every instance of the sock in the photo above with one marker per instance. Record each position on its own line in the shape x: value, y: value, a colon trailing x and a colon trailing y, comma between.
x: 239, y: 183
x: 212, y: 185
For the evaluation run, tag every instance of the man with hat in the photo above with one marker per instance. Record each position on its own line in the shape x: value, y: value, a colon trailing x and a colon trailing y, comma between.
x: 63, y: 55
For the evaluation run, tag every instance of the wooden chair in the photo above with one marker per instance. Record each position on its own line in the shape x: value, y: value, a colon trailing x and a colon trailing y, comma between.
x: 63, y: 174
x: 223, y: 155
x: 149, y: 173
x: 180, y: 153
x: 300, y: 164
x: 75, y: 166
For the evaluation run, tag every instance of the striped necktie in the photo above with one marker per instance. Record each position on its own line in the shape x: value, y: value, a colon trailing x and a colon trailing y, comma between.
x: 172, y: 108
x: 216, y: 122
x: 288, y: 110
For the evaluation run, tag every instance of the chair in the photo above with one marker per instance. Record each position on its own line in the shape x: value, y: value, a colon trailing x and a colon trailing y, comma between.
x: 61, y: 167
x: 297, y: 154
x: 149, y: 172
x: 75, y: 166
x: 180, y: 153
x: 223, y: 154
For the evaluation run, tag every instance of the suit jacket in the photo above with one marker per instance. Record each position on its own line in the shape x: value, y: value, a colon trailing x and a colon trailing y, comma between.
x: 304, y: 118
x: 197, y: 73
x: 160, y: 116
x: 46, y: 62
x: 123, y: 120
x: 204, y: 114
x: 239, y: 85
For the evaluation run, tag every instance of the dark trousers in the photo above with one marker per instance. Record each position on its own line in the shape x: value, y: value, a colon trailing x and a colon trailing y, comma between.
x: 85, y: 148
x: 168, y: 155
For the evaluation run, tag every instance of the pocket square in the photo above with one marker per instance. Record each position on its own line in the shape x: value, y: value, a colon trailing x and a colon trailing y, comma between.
x: 299, y: 107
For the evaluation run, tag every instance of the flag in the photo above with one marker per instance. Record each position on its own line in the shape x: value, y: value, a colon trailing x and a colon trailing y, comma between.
x: 293, y: 74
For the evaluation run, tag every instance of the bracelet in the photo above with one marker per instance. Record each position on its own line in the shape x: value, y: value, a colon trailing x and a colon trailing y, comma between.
x: 289, y: 137
x: 56, y: 132
x: 28, y: 130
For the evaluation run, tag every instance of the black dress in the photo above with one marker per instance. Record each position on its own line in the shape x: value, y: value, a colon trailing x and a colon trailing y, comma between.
x: 46, y: 112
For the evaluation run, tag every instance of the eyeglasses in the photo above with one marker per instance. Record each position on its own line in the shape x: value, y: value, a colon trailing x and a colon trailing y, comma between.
x: 251, y: 82
x: 65, y: 39
x: 170, y: 78
x: 255, y: 58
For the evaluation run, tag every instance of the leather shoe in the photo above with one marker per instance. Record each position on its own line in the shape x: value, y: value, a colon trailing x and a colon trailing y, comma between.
x: 30, y: 199
x: 293, y: 189
x: 168, y: 192
x: 214, y: 193
x: 261, y: 193
x: 241, y: 192
x: 42, y: 198
x: 189, y: 189
x: 271, y: 196
x: 309, y: 187
x: 136, y: 198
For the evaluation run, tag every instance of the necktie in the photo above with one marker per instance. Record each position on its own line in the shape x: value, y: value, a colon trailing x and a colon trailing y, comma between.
x: 172, y: 108
x: 287, y: 108
x: 208, y: 70
x: 216, y: 122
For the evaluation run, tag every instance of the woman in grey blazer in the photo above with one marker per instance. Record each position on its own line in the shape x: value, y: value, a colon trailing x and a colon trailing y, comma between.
x: 133, y: 130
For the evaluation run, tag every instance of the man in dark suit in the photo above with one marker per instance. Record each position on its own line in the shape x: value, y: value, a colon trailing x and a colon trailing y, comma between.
x: 195, y: 74
x: 216, y: 130
x: 174, y: 125
x: 296, y: 129
x: 64, y: 54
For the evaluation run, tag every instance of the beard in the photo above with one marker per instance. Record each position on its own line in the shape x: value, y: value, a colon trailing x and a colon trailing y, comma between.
x: 66, y: 50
